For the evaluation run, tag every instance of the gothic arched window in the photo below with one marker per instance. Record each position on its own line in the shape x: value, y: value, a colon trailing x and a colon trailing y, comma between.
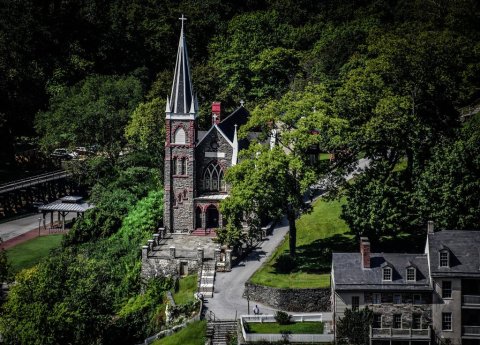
x: 183, y: 167
x: 174, y: 166
x: 213, y: 178
x: 179, y: 136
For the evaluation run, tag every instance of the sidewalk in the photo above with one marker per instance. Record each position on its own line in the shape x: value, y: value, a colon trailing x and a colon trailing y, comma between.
x: 22, y: 229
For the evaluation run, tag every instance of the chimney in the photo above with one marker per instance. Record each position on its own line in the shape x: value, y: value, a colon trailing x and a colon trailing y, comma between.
x: 365, y: 252
x: 216, y: 112
x: 430, y: 227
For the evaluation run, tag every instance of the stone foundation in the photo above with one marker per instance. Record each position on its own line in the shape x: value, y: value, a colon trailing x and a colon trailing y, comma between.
x: 294, y: 300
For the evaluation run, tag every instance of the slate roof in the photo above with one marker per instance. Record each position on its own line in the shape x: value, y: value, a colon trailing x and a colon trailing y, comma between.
x: 66, y: 207
x: 348, y: 273
x: 182, y: 89
x: 464, y: 248
x: 201, y: 135
x: 239, y: 117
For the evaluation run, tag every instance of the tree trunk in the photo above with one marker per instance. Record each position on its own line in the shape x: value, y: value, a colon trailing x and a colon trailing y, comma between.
x: 292, y: 233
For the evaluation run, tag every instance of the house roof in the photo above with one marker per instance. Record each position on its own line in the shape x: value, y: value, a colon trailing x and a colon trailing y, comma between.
x: 348, y: 273
x: 66, y: 206
x: 464, y: 249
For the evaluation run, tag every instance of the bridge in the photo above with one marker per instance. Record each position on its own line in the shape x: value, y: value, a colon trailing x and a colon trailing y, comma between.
x: 19, y: 197
x: 32, y: 181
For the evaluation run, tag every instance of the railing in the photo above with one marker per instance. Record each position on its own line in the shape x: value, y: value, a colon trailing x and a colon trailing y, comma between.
x: 295, y: 318
x: 31, y: 181
x: 399, y: 333
x: 471, y: 299
x: 294, y: 338
x: 471, y: 330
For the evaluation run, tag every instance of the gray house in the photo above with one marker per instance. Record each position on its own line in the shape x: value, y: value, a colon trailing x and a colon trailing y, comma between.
x: 416, y: 298
x: 395, y: 286
x: 454, y: 258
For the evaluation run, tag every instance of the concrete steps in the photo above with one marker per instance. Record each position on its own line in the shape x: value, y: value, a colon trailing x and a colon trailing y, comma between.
x: 204, y: 232
x: 220, y: 331
x: 207, y: 280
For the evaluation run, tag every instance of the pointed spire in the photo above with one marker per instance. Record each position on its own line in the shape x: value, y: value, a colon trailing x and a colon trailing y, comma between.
x: 182, y: 89
x: 192, y: 106
x: 167, y: 106
x: 235, y: 147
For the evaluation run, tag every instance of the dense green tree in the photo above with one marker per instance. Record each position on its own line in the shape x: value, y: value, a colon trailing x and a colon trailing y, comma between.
x: 91, y: 113
x: 86, y: 294
x: 273, y: 181
x: 354, y: 327
x: 448, y: 190
x: 146, y: 129
x: 5, y: 268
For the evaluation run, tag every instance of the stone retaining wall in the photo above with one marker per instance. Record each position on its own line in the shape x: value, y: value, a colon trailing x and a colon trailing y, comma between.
x: 294, y: 300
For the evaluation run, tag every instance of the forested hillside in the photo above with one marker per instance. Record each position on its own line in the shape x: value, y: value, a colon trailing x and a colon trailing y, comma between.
x: 377, y: 79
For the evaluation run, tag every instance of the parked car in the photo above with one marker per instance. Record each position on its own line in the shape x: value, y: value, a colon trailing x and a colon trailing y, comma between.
x: 63, y: 154
x: 83, y: 151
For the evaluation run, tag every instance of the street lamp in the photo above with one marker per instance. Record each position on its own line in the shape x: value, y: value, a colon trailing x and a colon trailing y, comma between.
x: 39, y: 222
x: 248, y: 303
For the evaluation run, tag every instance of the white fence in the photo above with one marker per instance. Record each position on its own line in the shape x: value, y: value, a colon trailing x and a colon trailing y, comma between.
x: 294, y: 338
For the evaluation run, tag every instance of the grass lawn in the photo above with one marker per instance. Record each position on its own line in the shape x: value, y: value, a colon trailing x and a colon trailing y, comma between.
x: 318, y: 233
x: 186, y: 288
x: 193, y: 334
x: 295, y: 328
x: 324, y: 156
x: 29, y: 253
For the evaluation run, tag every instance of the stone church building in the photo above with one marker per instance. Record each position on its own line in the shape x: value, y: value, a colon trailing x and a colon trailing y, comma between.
x: 196, y: 161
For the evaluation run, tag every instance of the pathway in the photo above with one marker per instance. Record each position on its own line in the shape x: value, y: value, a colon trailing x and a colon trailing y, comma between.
x: 227, y: 300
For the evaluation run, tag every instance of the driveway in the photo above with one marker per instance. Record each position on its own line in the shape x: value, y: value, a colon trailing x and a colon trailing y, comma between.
x: 227, y: 300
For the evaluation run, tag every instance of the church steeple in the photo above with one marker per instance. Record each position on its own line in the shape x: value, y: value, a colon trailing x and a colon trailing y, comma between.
x: 182, y: 95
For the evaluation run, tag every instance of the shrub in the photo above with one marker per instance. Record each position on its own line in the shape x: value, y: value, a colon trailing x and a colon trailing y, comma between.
x: 285, y: 263
x: 283, y: 318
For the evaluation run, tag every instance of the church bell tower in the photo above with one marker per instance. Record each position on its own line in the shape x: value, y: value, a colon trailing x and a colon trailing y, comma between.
x: 181, y: 132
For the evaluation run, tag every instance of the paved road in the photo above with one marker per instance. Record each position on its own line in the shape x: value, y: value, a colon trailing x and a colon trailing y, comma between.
x: 228, y: 298
x: 17, y: 227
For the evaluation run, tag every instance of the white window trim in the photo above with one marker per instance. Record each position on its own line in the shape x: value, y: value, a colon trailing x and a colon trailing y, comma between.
x: 451, y: 290
x: 383, y: 274
x: 401, y: 321
x: 421, y: 320
x: 451, y: 322
x: 414, y: 274
x: 444, y: 251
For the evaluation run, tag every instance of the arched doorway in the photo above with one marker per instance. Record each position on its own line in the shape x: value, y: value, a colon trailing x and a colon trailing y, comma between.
x: 212, y: 217
x: 198, y: 218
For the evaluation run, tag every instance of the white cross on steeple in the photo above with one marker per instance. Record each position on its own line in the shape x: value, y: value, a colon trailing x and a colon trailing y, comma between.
x: 183, y: 19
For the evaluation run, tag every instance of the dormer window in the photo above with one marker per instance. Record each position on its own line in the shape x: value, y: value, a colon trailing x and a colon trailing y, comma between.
x: 387, y: 274
x: 411, y: 274
x: 444, y: 258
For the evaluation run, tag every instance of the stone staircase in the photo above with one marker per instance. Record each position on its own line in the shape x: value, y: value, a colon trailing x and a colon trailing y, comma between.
x: 204, y: 232
x: 220, y: 331
x: 207, y: 279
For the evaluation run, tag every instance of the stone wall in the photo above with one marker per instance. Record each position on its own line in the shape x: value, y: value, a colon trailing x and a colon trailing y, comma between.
x: 174, y: 263
x: 294, y: 300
